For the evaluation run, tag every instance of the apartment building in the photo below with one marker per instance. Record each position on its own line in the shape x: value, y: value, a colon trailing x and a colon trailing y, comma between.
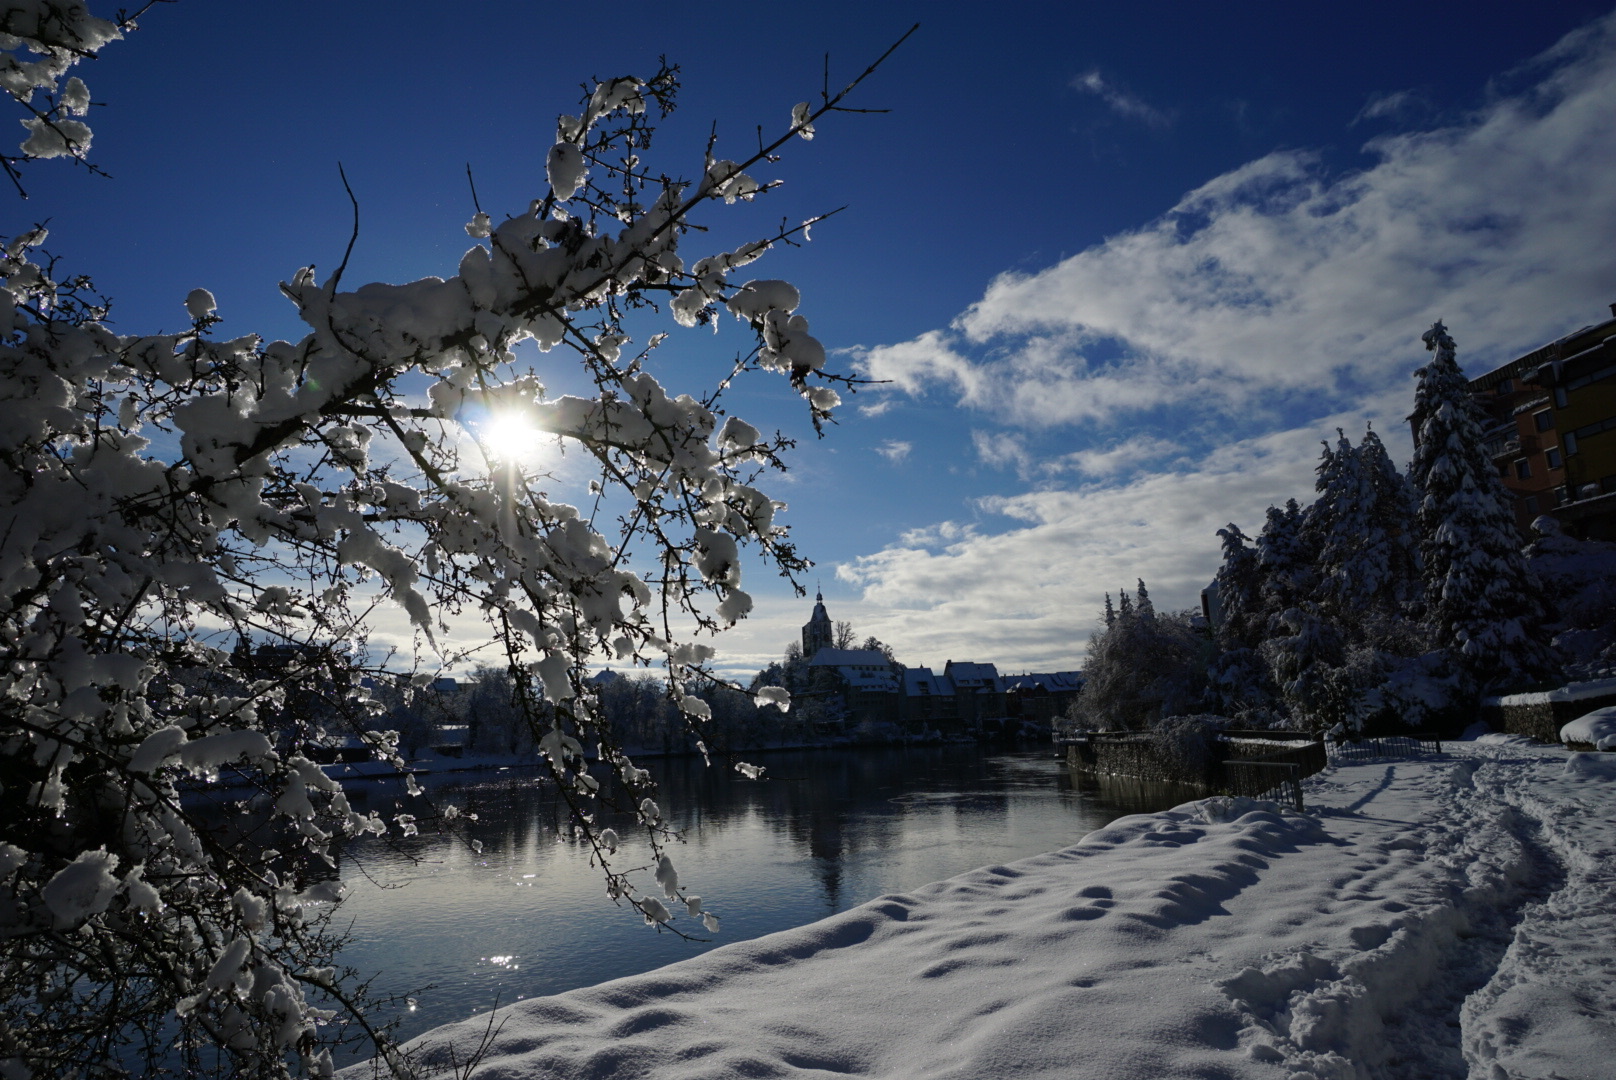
x: 1552, y: 430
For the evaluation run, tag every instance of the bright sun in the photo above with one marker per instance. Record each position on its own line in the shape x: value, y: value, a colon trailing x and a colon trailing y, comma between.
x: 509, y: 437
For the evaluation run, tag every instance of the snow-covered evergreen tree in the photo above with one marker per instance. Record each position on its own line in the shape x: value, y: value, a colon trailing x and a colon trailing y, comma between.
x: 1305, y: 657
x: 1285, y: 560
x: 1480, y: 599
x: 1144, y: 608
x: 1391, y: 520
x: 1240, y: 684
x: 1239, y: 591
x: 1366, y: 562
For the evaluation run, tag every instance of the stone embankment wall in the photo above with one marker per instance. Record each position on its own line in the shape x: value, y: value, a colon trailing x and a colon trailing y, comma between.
x: 1541, y: 716
x: 1142, y: 756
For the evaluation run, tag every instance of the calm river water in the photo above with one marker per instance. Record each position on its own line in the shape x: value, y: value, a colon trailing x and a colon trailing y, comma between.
x: 824, y: 831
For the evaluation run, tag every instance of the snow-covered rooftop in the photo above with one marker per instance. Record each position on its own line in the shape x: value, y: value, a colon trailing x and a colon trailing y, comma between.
x: 971, y: 676
x: 920, y: 682
x: 1053, y: 681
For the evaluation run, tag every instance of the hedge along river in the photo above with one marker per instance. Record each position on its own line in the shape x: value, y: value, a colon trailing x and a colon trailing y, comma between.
x: 459, y: 931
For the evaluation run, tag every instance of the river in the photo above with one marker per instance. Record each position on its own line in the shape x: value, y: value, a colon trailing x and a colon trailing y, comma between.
x: 458, y: 931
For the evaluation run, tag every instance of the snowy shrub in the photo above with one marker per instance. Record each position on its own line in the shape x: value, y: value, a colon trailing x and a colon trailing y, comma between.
x: 1420, y: 693
x: 167, y: 496
x: 1187, y: 745
x: 1578, y: 578
x: 1141, y: 666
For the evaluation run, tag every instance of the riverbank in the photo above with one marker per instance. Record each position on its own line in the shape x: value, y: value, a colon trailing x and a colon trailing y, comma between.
x: 1426, y: 917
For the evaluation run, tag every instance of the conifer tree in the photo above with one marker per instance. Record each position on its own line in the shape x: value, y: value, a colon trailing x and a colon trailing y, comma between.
x: 1359, y: 526
x: 1284, y: 559
x: 1239, y: 590
x: 1239, y: 682
x: 1110, y: 612
x: 1144, y: 608
x: 1392, y: 516
x: 1481, y: 602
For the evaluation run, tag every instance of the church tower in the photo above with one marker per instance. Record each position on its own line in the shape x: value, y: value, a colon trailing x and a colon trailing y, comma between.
x: 817, y: 632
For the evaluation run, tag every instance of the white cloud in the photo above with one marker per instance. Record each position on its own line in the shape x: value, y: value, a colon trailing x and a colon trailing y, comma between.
x: 1002, y: 450
x: 1394, y: 105
x: 1127, y: 454
x: 1124, y: 104
x: 894, y: 450
x: 877, y: 409
x: 1027, y: 597
x: 1009, y: 450
x: 1280, y: 279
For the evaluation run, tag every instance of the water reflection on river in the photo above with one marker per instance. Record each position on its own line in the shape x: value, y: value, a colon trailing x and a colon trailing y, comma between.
x: 826, y: 830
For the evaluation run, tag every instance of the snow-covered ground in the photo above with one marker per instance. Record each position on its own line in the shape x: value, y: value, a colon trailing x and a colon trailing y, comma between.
x: 1434, y: 917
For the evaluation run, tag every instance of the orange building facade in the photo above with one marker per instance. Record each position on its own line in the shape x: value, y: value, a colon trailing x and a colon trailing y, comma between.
x: 1552, y: 430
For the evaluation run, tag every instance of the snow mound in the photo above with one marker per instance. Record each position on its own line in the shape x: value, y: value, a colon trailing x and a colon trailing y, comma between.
x: 1591, y: 766
x: 1503, y: 738
x: 1597, y: 729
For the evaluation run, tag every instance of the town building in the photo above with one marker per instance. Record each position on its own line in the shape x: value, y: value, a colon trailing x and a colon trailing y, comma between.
x: 965, y: 699
x: 1040, y: 697
x: 871, y: 685
x: 1552, y: 430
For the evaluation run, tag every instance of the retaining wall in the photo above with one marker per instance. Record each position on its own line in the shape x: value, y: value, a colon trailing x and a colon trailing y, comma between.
x: 1541, y: 716
x: 1138, y: 755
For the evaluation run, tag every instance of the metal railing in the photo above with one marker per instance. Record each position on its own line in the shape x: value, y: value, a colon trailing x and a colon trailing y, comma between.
x: 1262, y: 779
x: 1365, y: 748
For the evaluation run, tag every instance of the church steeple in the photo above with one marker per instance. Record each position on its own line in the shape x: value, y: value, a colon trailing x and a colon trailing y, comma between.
x: 817, y: 632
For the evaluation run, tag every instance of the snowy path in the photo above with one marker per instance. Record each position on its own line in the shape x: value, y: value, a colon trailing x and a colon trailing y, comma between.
x: 1434, y: 918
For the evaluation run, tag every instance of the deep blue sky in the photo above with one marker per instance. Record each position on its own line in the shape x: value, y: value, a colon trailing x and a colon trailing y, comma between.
x: 1152, y: 375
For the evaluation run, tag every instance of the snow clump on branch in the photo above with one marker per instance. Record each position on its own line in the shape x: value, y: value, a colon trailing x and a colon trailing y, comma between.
x: 168, y: 495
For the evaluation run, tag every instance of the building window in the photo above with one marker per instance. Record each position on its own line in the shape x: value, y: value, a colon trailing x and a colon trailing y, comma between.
x: 1529, y: 504
x: 1544, y: 420
x: 1569, y: 441
x: 1559, y: 397
x: 1523, y: 469
x: 1552, y: 456
x: 1505, y: 387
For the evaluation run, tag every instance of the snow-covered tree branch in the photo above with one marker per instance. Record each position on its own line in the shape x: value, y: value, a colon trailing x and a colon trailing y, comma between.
x: 198, y: 533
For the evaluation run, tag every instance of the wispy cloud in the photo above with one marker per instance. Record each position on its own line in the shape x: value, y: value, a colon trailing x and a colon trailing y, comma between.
x: 1278, y: 278
x: 894, y: 450
x: 1126, y: 105
x: 1394, y: 105
x: 1002, y: 450
x: 1128, y: 454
